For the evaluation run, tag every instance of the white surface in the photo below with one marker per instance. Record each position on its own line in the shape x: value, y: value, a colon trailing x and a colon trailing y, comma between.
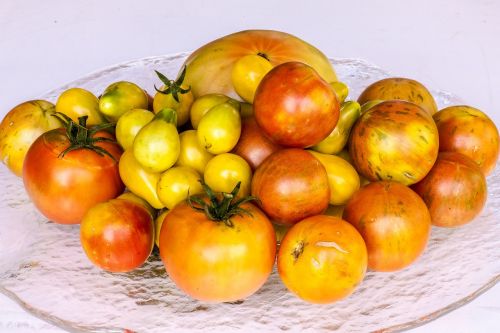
x: 446, y: 45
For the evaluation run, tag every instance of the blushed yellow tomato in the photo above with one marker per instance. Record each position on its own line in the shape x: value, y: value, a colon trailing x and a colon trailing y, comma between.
x: 158, y: 223
x: 247, y: 73
x: 138, y: 200
x: 176, y: 184
x: 78, y: 102
x: 130, y: 124
x: 203, y: 104
x: 219, y: 130
x: 224, y: 171
x: 121, y: 97
x: 192, y: 154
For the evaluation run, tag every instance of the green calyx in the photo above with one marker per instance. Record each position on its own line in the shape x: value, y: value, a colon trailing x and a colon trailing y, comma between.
x: 81, y: 137
x: 220, y: 206
x: 173, y: 86
x: 168, y: 115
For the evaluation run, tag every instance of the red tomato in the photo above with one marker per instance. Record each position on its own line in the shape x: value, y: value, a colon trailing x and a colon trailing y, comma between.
x: 291, y: 185
x: 393, y: 221
x: 454, y: 190
x: 65, y: 187
x: 294, y: 106
x: 117, y: 235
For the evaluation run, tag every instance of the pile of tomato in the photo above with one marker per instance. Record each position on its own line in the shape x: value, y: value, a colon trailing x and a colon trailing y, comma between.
x: 232, y: 168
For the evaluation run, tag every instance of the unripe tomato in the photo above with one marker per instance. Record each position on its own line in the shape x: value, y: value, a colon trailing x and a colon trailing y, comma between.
x: 78, y: 102
x: 176, y: 184
x: 247, y: 73
x: 203, y: 104
x: 224, y: 171
x: 121, y: 97
x: 130, y: 124
x: 219, y: 130
x: 192, y: 154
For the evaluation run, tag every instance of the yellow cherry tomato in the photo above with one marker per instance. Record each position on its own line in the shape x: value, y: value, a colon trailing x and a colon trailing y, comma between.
x: 138, y: 200
x: 121, y: 97
x: 204, y: 103
x: 130, y: 124
x: 247, y: 73
x: 192, y: 154
x: 224, y: 171
x: 344, y: 154
x: 78, y: 102
x: 176, y: 184
x: 219, y: 130
x: 158, y: 223
x: 341, y: 90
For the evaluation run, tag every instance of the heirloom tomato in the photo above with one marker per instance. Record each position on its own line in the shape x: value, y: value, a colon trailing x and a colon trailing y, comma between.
x: 176, y: 184
x: 220, y: 128
x: 192, y: 154
x: 130, y: 124
x: 121, y: 97
x: 224, y: 171
x: 247, y: 73
x: 203, y: 104
x: 78, y: 102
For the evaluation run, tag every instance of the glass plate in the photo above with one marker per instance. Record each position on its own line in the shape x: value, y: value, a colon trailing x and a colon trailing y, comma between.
x: 43, y: 268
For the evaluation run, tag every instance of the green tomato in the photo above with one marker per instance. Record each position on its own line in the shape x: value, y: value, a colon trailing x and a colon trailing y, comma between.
x: 157, y: 146
x: 176, y: 184
x: 121, y: 97
x: 192, y: 154
x: 203, y: 104
x: 219, y: 130
x: 224, y: 171
x: 130, y: 124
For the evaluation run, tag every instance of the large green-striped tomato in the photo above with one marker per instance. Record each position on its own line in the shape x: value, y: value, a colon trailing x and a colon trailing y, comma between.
x: 294, y: 106
x: 454, y: 190
x: 469, y: 131
x: 393, y: 221
x: 64, y: 184
x: 291, y: 185
x: 394, y: 140
x: 221, y: 257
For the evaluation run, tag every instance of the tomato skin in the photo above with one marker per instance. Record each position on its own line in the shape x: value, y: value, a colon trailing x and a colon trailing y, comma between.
x: 294, y: 106
x: 393, y: 221
x: 291, y: 185
x: 322, y: 259
x: 192, y: 154
x: 247, y: 73
x: 78, y: 102
x: 224, y: 171
x: 454, y: 190
x: 117, y: 235
x: 64, y: 189
x: 213, y: 262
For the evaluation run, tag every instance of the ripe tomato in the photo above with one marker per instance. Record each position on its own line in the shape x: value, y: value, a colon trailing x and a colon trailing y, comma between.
x: 291, y: 185
x: 203, y: 104
x: 78, y: 102
x: 294, y: 106
x: 247, y: 73
x: 121, y: 97
x: 130, y: 124
x: 394, y: 140
x: 66, y: 177
x: 192, y: 154
x: 322, y: 259
x: 224, y: 171
x: 222, y: 253
x: 117, y: 235
x: 220, y: 128
x: 176, y: 184
x: 454, y: 190
x: 393, y: 221
x: 469, y: 131
x: 253, y: 145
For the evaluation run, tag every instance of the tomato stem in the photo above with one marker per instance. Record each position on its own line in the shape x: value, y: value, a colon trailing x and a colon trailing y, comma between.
x: 173, y: 86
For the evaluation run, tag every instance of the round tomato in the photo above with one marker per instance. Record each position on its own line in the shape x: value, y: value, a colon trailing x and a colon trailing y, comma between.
x: 117, y: 235
x: 341, y: 90
x: 192, y: 154
x: 78, y: 102
x: 322, y: 259
x: 216, y: 249
x: 247, y: 73
x: 121, y: 97
x: 291, y: 185
x: 130, y: 124
x: 158, y: 223
x: 393, y: 221
x: 220, y: 128
x: 66, y: 176
x: 224, y: 171
x: 203, y: 104
x: 294, y: 106
x: 454, y: 190
x: 176, y: 184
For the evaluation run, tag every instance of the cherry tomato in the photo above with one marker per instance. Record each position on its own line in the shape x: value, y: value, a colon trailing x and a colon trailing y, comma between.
x: 121, y: 97
x: 224, y: 171
x: 203, y: 104
x: 247, y: 73
x: 219, y: 130
x: 192, y: 154
x: 130, y: 124
x: 176, y: 184
x: 78, y: 102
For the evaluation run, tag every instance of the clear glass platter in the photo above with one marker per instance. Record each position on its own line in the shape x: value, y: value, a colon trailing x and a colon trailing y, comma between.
x: 43, y: 268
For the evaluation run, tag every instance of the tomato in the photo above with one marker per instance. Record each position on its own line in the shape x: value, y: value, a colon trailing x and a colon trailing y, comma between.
x: 66, y: 175
x: 454, y: 190
x: 78, y: 102
x: 246, y: 110
x: 469, y: 131
x: 203, y: 104
x: 401, y: 89
x: 342, y: 177
x: 20, y: 127
x: 157, y: 146
x: 121, y: 97
x: 291, y: 185
x: 192, y: 154
x: 176, y: 184
x: 224, y: 171
x: 174, y: 95
x: 294, y: 106
x: 253, y: 145
x: 219, y: 130
x: 247, y: 73
x: 158, y: 224
x: 393, y: 221
x: 138, y: 200
x: 139, y: 180
x: 117, y: 235
x: 129, y: 125
x: 394, y: 140
x: 341, y: 90
x: 224, y: 256
x: 322, y: 259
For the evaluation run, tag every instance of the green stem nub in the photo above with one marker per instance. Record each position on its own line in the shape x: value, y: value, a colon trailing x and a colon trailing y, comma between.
x: 220, y: 206
x: 173, y: 86
x: 168, y: 115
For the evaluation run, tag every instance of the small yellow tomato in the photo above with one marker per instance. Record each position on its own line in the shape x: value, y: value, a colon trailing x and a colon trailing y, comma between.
x: 341, y: 90
x: 121, y: 97
x: 220, y: 129
x: 176, y: 184
x: 192, y: 154
x: 130, y: 124
x: 158, y: 223
x: 78, y: 102
x: 224, y: 171
x: 138, y: 200
x: 247, y: 73
x: 204, y: 103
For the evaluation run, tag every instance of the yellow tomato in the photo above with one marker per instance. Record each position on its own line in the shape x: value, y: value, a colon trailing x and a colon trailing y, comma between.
x: 220, y: 129
x: 162, y: 101
x: 158, y: 224
x: 204, y: 103
x: 247, y: 73
x: 138, y: 200
x: 224, y: 171
x: 130, y: 124
x: 176, y: 184
x: 341, y: 90
x: 78, y: 102
x: 121, y: 97
x: 192, y: 154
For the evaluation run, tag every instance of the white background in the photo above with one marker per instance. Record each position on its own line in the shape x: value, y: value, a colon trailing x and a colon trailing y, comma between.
x: 449, y: 45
